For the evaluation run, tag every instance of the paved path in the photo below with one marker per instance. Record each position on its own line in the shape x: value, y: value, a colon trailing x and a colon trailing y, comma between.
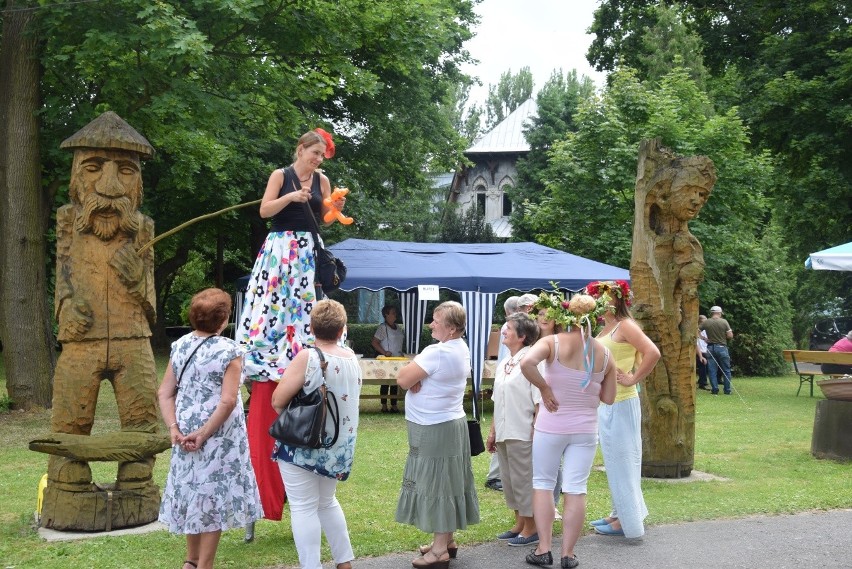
x: 809, y: 540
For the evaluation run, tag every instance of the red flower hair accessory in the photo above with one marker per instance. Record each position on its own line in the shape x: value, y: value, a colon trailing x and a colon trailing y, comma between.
x: 329, y: 143
x: 618, y: 289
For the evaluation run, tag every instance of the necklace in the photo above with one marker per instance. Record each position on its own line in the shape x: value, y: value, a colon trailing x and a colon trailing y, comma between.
x: 514, y: 360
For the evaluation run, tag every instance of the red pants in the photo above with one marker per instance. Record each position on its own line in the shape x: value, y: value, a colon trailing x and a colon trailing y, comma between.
x: 260, y: 416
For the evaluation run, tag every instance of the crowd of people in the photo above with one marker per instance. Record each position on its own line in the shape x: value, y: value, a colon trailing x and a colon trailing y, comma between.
x: 559, y: 391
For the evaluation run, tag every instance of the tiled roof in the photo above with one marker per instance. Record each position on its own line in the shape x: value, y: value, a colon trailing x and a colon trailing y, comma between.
x: 508, y: 135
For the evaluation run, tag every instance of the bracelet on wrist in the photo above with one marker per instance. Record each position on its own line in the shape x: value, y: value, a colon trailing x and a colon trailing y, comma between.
x: 173, y: 425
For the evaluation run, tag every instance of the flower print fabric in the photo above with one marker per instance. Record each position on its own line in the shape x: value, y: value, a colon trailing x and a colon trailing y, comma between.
x: 275, y: 322
x: 343, y: 378
x: 213, y: 488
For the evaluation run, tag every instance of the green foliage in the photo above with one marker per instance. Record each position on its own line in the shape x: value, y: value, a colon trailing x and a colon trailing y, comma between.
x: 744, y: 277
x: 509, y: 93
x: 786, y: 67
x: 223, y: 89
x: 670, y: 43
x: 557, y: 103
x: 6, y: 404
x: 587, y: 206
x: 468, y: 226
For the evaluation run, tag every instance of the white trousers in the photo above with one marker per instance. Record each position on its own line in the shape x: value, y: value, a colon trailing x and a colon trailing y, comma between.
x: 576, y: 453
x: 620, y: 426
x: 314, y: 510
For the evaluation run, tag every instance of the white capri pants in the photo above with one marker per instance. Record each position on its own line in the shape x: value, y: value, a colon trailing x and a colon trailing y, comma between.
x: 575, y: 451
x: 314, y: 509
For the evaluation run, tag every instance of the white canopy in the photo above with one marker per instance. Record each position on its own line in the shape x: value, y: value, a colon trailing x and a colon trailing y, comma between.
x: 837, y: 258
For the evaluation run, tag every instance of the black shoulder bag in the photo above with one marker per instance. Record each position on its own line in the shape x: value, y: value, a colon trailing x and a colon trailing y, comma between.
x: 330, y: 272
x: 302, y: 423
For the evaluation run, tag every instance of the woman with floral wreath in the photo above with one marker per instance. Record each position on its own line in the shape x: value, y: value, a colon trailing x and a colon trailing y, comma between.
x: 276, y: 315
x: 620, y: 423
x: 579, y: 374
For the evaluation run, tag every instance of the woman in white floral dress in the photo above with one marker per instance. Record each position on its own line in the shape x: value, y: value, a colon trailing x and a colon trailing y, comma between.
x: 211, y: 485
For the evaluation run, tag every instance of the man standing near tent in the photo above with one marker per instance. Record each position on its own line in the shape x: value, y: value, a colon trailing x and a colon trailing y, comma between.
x: 718, y: 333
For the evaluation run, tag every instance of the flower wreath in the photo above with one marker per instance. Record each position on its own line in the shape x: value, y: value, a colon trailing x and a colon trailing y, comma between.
x: 613, y: 289
x: 581, y: 310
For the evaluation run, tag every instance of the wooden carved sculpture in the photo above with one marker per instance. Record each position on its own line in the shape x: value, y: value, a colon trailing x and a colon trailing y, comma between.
x: 105, y: 305
x: 666, y: 268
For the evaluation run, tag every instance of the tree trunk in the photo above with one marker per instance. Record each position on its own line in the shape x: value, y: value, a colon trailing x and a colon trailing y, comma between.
x: 666, y: 267
x: 26, y: 327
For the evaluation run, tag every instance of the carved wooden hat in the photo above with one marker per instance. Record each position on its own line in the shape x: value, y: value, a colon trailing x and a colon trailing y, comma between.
x: 109, y: 131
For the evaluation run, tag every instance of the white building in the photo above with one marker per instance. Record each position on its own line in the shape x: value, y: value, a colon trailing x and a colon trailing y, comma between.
x: 484, y: 184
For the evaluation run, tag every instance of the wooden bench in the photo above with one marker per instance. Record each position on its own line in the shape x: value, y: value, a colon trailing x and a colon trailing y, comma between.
x: 797, y: 357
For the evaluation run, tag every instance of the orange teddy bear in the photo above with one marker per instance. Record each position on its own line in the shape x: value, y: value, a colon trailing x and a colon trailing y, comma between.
x: 334, y: 213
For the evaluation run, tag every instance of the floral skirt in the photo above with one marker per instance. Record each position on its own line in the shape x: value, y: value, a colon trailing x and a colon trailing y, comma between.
x: 275, y: 322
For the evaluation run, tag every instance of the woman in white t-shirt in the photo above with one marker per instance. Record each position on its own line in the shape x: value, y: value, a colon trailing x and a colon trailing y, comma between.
x: 438, y: 495
x: 387, y: 341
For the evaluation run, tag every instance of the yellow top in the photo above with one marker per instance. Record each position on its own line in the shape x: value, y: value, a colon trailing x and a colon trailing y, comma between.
x: 624, y: 355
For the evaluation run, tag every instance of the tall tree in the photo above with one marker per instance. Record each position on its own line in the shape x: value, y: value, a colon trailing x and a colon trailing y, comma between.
x: 223, y: 89
x: 509, y: 93
x: 557, y: 103
x: 466, y: 117
x: 670, y: 42
x: 786, y: 65
x: 588, y: 201
x: 26, y: 330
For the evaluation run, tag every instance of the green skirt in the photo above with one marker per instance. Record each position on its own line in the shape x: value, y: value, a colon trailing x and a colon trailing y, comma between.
x: 438, y: 492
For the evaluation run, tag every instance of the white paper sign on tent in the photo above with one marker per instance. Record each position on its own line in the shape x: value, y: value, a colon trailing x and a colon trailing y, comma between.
x: 427, y: 292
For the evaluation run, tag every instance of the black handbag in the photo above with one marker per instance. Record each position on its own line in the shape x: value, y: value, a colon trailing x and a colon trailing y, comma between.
x: 329, y: 271
x: 303, y: 422
x: 477, y: 445
x: 474, y: 431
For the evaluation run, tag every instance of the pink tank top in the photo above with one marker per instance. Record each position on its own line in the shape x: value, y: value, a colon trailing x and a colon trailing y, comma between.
x: 578, y: 407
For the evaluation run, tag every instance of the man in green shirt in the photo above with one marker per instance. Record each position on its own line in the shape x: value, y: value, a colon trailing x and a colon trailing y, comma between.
x: 718, y: 333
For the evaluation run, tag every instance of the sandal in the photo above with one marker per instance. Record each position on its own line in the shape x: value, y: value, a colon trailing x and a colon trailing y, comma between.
x: 193, y: 563
x: 453, y: 551
x: 439, y: 563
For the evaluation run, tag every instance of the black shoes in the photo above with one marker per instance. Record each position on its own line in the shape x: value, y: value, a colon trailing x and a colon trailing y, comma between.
x: 545, y: 558
x: 494, y: 484
x: 569, y: 562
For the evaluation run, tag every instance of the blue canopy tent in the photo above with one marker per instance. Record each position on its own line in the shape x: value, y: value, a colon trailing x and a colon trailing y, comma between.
x: 477, y: 271
x: 837, y: 258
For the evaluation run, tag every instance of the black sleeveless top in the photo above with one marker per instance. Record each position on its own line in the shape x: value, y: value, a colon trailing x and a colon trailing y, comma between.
x: 294, y: 217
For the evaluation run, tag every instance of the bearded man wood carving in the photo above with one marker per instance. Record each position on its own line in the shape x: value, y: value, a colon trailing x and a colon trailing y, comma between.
x: 105, y: 304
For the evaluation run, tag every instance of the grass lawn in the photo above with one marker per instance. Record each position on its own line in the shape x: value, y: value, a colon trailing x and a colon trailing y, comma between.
x: 759, y: 439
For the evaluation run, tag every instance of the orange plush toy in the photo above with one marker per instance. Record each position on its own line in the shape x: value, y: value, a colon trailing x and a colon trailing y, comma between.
x: 333, y: 212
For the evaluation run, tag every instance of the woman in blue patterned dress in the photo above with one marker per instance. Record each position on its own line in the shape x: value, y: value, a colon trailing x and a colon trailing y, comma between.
x: 312, y: 474
x: 276, y: 316
x: 211, y: 485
